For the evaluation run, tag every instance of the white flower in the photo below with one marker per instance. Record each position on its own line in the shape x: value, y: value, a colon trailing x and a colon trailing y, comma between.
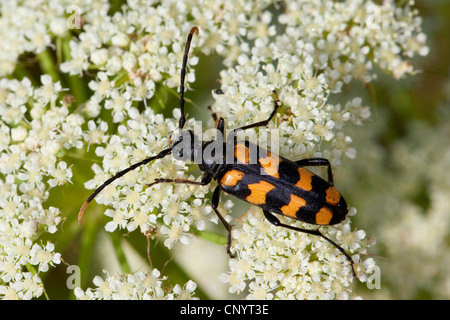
x: 186, y: 292
x: 44, y: 256
x: 19, y: 134
x: 61, y: 174
x: 48, y: 92
x: 100, y: 57
x: 139, y: 285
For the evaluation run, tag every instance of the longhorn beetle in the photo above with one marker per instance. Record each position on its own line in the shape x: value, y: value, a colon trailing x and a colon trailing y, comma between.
x: 273, y: 183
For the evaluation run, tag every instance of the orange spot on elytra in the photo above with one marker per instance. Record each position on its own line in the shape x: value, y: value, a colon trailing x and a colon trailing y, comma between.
x: 332, y: 196
x: 258, y: 192
x: 305, y: 179
x: 292, y: 207
x: 270, y: 164
x: 324, y: 216
x: 242, y: 153
x: 231, y: 178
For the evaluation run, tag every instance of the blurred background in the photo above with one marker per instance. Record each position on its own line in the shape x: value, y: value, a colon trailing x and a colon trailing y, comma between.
x: 399, y: 183
x: 400, y: 180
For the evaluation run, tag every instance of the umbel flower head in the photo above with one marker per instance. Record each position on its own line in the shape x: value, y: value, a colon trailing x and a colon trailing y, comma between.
x: 140, y: 285
x: 123, y: 64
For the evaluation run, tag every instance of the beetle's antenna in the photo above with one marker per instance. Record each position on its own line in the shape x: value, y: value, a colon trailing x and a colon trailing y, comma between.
x: 183, y: 74
x: 160, y: 155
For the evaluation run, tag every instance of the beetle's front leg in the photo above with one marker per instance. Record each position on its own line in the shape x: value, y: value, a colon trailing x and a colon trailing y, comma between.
x: 215, y: 203
x: 206, y: 179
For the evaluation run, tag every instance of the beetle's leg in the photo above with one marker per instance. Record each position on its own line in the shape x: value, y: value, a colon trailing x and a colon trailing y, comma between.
x: 160, y: 155
x: 213, y: 114
x: 264, y: 122
x: 220, y: 123
x: 206, y: 179
x: 275, y: 221
x: 318, y: 162
x: 215, y: 203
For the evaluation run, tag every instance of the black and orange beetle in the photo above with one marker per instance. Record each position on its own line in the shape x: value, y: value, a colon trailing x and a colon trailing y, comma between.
x: 255, y: 175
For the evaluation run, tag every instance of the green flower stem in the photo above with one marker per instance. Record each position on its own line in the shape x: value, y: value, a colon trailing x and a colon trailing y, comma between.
x: 211, y: 236
x: 78, y: 87
x: 59, y: 54
x: 162, y: 259
x: 91, y: 227
x: 116, y: 240
x: 48, y: 65
x: 121, y: 78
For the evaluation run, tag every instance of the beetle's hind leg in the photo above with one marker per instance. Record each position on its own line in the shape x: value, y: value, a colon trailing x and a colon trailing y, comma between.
x: 215, y: 204
x: 275, y: 221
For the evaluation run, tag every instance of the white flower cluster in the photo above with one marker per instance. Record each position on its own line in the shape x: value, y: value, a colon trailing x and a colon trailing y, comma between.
x: 32, y: 141
x: 274, y: 263
x: 140, y: 285
x: 176, y: 206
x: 29, y: 26
x: 323, y: 45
